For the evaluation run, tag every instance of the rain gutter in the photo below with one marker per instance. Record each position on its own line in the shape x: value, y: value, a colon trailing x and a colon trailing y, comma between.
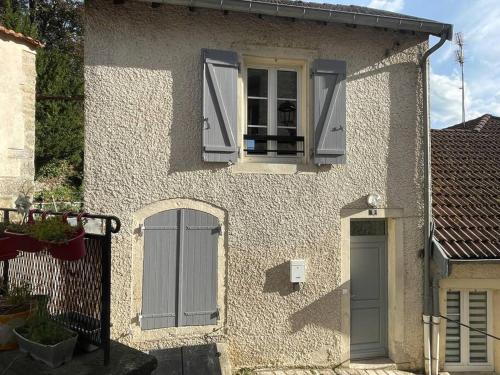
x: 316, y: 13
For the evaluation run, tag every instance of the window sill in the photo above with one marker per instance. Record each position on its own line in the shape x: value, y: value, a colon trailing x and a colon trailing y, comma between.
x: 272, y: 168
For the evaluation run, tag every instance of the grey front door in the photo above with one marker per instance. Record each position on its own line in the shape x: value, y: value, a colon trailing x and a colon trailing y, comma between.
x: 368, y: 296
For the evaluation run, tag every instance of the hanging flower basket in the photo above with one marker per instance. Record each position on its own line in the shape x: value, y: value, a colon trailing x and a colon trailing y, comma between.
x: 19, y: 236
x: 63, y: 241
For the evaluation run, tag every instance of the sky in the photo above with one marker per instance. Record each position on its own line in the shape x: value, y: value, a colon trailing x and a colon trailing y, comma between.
x: 479, y: 21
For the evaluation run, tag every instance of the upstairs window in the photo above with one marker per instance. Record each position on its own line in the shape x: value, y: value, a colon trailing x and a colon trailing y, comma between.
x: 273, y: 105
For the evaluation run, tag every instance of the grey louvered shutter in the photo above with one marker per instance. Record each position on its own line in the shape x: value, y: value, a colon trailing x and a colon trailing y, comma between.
x: 478, y: 319
x: 199, y: 269
x: 453, y: 330
x: 159, y: 285
x: 329, y: 111
x: 220, y: 75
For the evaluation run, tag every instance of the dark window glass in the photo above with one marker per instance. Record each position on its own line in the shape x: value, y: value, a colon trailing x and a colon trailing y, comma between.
x: 367, y: 227
x: 257, y: 111
x: 257, y: 82
x: 287, y: 113
x: 256, y: 147
x: 287, y: 148
x: 287, y: 84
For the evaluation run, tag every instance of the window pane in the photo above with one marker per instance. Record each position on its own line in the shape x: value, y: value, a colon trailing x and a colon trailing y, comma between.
x: 257, y: 111
x: 288, y: 148
x: 453, y: 329
x: 367, y: 227
x: 478, y: 319
x: 287, y: 84
x: 257, y: 82
x: 255, y: 147
x: 287, y: 113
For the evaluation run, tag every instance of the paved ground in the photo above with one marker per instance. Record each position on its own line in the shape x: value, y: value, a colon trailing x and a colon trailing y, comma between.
x: 337, y: 371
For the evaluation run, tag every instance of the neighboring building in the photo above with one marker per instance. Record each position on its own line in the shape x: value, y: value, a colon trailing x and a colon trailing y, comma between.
x: 230, y: 143
x: 466, y: 207
x: 17, y: 113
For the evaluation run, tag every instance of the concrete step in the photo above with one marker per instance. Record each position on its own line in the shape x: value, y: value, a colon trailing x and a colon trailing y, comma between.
x: 372, y: 364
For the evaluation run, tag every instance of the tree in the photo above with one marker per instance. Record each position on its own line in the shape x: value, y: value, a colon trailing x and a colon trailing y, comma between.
x: 59, y: 107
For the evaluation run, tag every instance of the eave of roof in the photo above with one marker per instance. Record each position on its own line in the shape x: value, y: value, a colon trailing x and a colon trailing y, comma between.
x: 353, y: 15
x: 21, y: 37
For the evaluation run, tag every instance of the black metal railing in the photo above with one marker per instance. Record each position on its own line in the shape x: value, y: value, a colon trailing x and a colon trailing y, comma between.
x: 277, y: 138
x: 79, y: 292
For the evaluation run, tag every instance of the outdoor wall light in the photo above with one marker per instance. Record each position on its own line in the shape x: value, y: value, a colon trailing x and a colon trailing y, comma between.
x: 373, y: 201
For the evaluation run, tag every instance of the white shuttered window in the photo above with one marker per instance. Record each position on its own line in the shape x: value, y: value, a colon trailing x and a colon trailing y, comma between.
x: 466, y: 349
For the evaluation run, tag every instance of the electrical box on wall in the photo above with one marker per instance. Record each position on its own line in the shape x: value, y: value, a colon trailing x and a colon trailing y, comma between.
x: 297, y: 271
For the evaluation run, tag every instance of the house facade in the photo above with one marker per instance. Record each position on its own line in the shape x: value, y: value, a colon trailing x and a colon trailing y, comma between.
x: 17, y: 113
x: 230, y: 143
x: 466, y: 210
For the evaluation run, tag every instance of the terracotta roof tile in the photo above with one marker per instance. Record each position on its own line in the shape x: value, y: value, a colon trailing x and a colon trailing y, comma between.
x: 23, y: 38
x: 466, y: 188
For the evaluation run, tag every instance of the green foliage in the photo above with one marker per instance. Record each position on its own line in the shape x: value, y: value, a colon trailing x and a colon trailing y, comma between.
x: 15, y: 15
x: 18, y: 228
x: 41, y: 329
x: 59, y: 122
x: 52, y: 229
x: 17, y: 299
x: 19, y: 294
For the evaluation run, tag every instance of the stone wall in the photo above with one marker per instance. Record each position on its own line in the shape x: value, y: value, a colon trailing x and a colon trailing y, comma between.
x: 17, y: 118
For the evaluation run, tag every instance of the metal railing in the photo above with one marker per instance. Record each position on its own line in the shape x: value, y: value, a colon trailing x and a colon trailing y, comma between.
x: 79, y: 292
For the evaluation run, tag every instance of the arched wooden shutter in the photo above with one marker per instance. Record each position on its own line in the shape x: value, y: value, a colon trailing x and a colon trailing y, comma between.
x: 329, y: 111
x: 220, y: 75
x: 180, y: 269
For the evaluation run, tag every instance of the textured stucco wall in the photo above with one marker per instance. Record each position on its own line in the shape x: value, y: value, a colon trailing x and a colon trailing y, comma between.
x: 474, y: 276
x: 17, y: 117
x: 143, y: 145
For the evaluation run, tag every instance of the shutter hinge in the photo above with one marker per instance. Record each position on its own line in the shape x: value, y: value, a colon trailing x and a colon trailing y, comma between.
x: 142, y: 228
x: 239, y: 151
x: 220, y: 229
x: 139, y: 316
x: 217, y: 312
x: 238, y: 65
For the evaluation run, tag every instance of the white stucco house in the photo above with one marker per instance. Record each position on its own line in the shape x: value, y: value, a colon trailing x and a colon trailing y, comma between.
x: 17, y: 113
x: 267, y: 162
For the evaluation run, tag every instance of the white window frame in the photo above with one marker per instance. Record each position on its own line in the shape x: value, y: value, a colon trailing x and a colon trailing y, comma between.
x: 272, y: 102
x: 465, y: 364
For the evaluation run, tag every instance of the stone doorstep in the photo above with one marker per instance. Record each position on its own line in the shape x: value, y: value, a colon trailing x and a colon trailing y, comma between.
x: 336, y: 371
x: 372, y: 364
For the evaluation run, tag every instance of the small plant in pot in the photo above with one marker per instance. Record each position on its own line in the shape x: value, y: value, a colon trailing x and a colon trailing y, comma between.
x: 45, y: 339
x: 15, y: 308
x: 7, y: 246
x: 63, y: 240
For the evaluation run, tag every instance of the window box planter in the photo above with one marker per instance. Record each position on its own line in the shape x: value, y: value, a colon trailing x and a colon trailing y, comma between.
x: 85, y: 325
x: 19, y: 236
x: 52, y: 355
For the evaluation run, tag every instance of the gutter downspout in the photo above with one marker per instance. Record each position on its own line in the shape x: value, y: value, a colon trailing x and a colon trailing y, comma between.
x: 424, y: 66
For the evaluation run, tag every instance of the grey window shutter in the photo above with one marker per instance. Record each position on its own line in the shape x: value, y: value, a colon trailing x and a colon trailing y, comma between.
x: 220, y: 75
x: 478, y: 319
x: 453, y: 337
x: 180, y: 269
x: 159, y: 286
x: 329, y: 111
x: 199, y: 269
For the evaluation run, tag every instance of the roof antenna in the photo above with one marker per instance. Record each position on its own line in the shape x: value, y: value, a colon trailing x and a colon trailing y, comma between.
x: 460, y: 58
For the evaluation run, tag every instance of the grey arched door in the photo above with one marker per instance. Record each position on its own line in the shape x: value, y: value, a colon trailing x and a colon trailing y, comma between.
x: 180, y: 269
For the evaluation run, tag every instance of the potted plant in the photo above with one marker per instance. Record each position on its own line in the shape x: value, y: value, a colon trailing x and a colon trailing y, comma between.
x: 7, y: 247
x: 45, y: 339
x: 15, y: 308
x: 63, y: 240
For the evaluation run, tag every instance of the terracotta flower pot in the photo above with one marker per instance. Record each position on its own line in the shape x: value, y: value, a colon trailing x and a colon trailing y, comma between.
x: 7, y: 323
